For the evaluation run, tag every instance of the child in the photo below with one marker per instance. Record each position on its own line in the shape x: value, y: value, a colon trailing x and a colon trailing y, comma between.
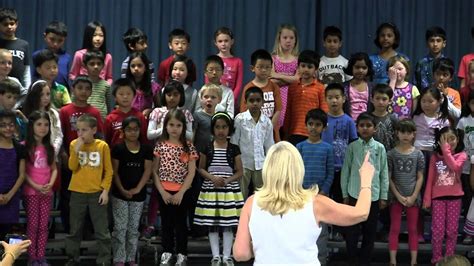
x: 132, y: 162
x: 332, y: 63
x: 214, y: 66
x: 387, y: 39
x: 254, y: 131
x: 41, y: 173
x: 285, y: 63
x: 135, y: 40
x: 6, y: 64
x: 147, y: 91
x: 385, y: 122
x: 261, y: 64
x: 350, y: 185
x: 210, y: 96
x: 181, y: 69
x: 54, y: 36
x: 220, y: 200
x: 405, y: 170
x: 46, y: 68
x: 91, y: 168
x: 101, y: 98
x: 463, y: 72
x: 466, y: 90
x: 174, y: 167
x: 443, y: 71
x: 94, y: 40
x: 178, y: 42
x: 444, y: 191
x: 9, y: 92
x: 318, y: 158
x: 306, y: 94
x: 124, y: 91
x: 358, y: 90
x: 469, y: 225
x: 405, y: 93
x: 436, y: 42
x: 233, y: 70
x: 12, y: 156
x: 19, y: 48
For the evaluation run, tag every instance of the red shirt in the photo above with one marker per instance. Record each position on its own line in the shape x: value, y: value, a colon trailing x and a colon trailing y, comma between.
x: 69, y: 115
x: 164, y: 71
x: 113, y: 126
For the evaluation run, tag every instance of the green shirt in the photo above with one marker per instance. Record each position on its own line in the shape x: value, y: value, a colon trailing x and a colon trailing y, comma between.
x: 101, y: 97
x: 350, y: 178
x: 59, y: 96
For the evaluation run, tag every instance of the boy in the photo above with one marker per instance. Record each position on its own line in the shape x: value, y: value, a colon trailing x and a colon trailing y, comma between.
x: 463, y: 72
x: 443, y: 71
x: 210, y: 95
x: 124, y: 91
x: 385, y: 122
x: 261, y: 63
x: 318, y: 158
x: 91, y: 167
x: 18, y: 48
x: 6, y: 61
x: 101, y: 98
x: 46, y: 68
x: 54, y: 36
x: 305, y: 95
x: 178, y: 42
x: 135, y: 40
x: 214, y: 69
x: 350, y: 185
x: 9, y: 92
x: 254, y: 133
x: 332, y: 63
x: 436, y: 41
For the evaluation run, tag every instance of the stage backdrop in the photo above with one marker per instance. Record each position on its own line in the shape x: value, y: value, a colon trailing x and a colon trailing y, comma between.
x: 254, y: 23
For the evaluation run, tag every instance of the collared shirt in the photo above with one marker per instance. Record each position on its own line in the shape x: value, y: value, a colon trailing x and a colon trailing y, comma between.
x: 424, y: 72
x: 350, y: 178
x: 253, y: 138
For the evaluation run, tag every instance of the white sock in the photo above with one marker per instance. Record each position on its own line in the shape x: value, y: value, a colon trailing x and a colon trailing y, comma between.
x: 214, y: 241
x: 228, y: 241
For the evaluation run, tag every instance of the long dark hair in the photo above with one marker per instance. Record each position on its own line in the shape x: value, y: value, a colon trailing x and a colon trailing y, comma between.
x: 89, y: 34
x: 33, y: 98
x: 178, y: 115
x: 145, y: 83
x: 189, y: 66
x: 458, y: 133
x: 443, y: 109
x: 30, y: 142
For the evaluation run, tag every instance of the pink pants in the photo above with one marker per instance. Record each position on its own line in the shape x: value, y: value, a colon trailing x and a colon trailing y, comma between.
x: 445, y: 215
x: 395, y: 222
x: 37, y: 213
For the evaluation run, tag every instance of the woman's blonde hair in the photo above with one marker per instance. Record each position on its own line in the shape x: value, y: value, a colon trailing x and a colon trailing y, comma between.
x: 283, y: 172
x: 277, y: 47
x: 454, y: 260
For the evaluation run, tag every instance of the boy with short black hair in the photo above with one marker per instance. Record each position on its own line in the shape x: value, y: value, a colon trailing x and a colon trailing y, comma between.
x: 332, y: 63
x: 385, y: 122
x: 46, y: 68
x: 135, y: 40
x: 436, y: 41
x: 101, y: 97
x: 91, y: 165
x: 19, y: 48
x: 252, y: 127
x: 54, y: 36
x: 9, y: 92
x: 178, y: 42
x: 6, y: 62
x: 443, y: 71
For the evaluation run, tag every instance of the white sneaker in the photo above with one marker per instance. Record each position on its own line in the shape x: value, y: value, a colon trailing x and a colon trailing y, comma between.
x: 228, y: 262
x: 165, y: 258
x: 181, y: 260
x: 216, y: 261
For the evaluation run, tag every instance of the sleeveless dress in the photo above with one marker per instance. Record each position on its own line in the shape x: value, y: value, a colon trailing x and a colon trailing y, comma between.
x: 287, y: 68
x: 402, y: 103
x: 219, y: 206
x: 10, y: 212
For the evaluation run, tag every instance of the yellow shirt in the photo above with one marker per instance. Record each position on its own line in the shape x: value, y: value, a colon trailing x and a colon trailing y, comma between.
x: 91, y: 167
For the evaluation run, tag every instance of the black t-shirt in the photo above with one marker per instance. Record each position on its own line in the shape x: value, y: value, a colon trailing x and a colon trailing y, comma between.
x: 20, y: 56
x: 131, y: 168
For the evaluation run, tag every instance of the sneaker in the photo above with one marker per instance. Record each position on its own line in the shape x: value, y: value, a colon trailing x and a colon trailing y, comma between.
x: 181, y: 260
x: 228, y: 262
x: 468, y: 240
x: 148, y: 232
x: 216, y: 261
x: 165, y: 258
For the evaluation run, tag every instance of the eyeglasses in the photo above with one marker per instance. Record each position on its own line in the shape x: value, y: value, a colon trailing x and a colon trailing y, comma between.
x: 5, y: 125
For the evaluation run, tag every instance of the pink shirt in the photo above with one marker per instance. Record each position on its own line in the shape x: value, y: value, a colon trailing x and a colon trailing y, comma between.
x: 78, y: 68
x: 463, y: 72
x: 359, y: 101
x: 39, y: 171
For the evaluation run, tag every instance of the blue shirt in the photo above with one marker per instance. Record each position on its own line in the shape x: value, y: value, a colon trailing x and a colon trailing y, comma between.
x: 379, y: 65
x: 341, y: 130
x: 318, y: 161
x: 424, y: 72
x: 64, y: 64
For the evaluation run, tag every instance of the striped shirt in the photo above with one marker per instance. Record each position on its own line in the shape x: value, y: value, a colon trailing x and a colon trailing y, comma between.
x: 318, y: 161
x: 101, y: 97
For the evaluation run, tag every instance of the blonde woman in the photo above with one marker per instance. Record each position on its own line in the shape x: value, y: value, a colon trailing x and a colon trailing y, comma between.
x: 280, y: 223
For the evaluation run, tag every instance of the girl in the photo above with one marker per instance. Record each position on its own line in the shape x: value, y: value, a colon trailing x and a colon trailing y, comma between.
x: 387, y: 39
x: 41, y: 173
x: 147, y: 91
x: 465, y: 125
x: 180, y: 70
x: 466, y: 90
x: 220, y: 200
x: 285, y: 62
x: 405, y: 170
x: 12, y: 174
x: 233, y: 66
x: 174, y: 167
x: 94, y: 39
x: 131, y: 161
x: 358, y: 90
x: 444, y: 191
x: 405, y: 94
